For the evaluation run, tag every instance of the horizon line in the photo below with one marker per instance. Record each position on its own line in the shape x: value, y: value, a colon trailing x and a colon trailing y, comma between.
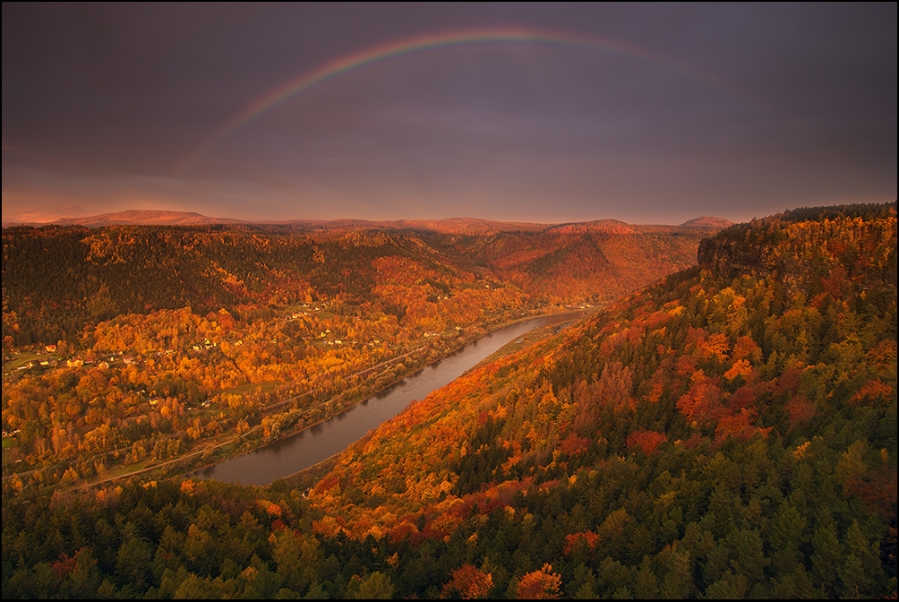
x: 287, y: 221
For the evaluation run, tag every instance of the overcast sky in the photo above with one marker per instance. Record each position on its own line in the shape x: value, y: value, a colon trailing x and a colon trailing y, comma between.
x: 650, y: 114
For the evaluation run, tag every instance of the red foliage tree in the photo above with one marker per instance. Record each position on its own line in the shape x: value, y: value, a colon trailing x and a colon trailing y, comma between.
x: 574, y: 445
x: 800, y: 410
x: 648, y: 441
x: 737, y: 425
x: 586, y: 538
x: 702, y: 403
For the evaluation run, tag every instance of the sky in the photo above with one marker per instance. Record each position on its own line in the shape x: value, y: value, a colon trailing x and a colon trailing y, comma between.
x: 550, y: 113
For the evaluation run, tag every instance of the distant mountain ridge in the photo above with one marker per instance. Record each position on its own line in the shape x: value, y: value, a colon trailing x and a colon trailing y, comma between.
x: 454, y: 225
x: 138, y: 217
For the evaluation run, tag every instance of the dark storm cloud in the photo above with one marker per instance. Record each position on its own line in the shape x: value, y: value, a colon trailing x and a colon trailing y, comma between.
x: 747, y: 110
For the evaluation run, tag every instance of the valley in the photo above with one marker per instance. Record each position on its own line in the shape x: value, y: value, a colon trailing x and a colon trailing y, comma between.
x: 176, y: 347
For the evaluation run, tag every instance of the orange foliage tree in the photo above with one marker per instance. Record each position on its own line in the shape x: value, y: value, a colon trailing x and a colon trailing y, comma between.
x: 540, y: 585
x: 468, y: 583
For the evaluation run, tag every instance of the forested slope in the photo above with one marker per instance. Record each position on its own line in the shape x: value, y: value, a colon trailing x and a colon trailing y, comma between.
x: 129, y: 346
x: 593, y: 262
x: 728, y: 432
x: 57, y: 281
x: 731, y: 431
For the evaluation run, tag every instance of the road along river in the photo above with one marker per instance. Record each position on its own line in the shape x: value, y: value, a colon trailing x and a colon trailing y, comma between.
x: 311, y: 446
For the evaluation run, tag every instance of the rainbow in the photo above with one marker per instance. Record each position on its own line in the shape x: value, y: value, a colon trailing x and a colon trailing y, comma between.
x: 406, y: 46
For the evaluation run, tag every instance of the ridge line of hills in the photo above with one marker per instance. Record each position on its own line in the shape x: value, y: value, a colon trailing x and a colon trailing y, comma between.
x: 139, y: 217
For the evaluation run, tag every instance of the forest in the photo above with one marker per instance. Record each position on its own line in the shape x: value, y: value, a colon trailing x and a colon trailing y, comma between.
x: 133, y: 347
x: 726, y: 431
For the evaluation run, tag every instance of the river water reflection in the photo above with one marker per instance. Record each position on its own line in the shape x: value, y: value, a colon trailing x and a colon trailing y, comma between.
x: 311, y: 446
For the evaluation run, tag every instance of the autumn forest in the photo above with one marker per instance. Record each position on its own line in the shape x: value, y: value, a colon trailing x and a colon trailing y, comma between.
x: 720, y: 423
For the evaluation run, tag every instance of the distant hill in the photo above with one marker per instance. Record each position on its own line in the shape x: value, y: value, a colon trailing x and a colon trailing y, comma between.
x: 707, y: 222
x: 609, y: 226
x: 137, y: 217
x: 592, y: 262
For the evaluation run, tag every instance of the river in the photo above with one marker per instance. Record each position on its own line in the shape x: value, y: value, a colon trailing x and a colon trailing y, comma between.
x: 311, y: 446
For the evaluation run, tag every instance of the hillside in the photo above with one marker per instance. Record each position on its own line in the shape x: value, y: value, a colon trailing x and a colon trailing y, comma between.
x: 592, y: 262
x: 59, y: 280
x: 166, y: 341
x: 727, y: 432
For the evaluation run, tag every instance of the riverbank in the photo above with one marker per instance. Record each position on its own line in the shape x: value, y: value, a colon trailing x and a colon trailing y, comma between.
x: 306, y: 478
x: 311, y: 446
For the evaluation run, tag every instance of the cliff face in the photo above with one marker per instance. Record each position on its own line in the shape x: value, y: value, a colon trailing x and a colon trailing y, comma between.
x: 729, y: 258
x: 837, y: 249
